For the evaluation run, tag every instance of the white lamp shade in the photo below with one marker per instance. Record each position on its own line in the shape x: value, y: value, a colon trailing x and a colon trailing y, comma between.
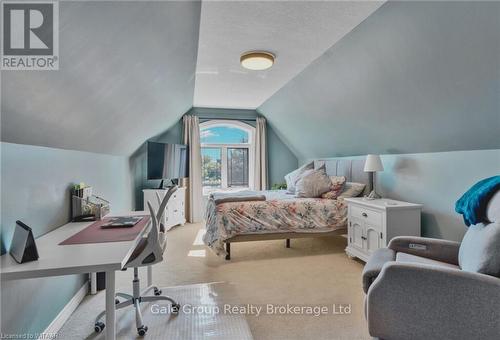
x: 373, y: 163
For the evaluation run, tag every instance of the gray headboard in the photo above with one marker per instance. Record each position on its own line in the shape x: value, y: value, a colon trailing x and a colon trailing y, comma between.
x: 352, y: 169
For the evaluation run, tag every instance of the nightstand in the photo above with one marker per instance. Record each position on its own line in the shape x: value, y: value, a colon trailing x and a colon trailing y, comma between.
x: 373, y: 223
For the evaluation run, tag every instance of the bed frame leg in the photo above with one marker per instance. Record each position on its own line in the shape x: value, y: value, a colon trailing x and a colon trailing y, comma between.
x: 228, y: 251
x: 288, y: 243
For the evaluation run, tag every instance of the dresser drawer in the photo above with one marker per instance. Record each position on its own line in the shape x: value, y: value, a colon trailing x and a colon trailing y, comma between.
x: 370, y: 216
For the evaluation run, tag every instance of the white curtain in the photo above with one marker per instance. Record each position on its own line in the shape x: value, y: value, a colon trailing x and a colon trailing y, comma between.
x: 260, y: 173
x: 192, y: 139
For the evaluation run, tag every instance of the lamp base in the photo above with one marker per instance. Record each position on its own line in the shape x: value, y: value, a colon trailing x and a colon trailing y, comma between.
x: 373, y: 196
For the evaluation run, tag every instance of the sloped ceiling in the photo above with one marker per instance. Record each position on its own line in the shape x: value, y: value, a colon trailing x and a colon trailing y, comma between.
x: 413, y: 77
x: 297, y: 32
x: 127, y: 72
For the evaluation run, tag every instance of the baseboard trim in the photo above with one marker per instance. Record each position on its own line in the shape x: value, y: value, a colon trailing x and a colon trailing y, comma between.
x: 66, y: 312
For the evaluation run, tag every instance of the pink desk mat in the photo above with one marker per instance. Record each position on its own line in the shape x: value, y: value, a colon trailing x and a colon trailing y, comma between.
x: 95, y: 234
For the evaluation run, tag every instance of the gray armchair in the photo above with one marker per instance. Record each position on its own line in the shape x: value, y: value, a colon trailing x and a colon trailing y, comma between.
x: 423, y: 288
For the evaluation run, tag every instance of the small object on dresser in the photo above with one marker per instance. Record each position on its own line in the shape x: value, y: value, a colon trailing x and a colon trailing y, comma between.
x: 279, y: 186
x: 23, y: 246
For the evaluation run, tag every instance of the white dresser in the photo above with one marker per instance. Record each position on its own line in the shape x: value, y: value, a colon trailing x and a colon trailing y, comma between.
x: 175, y: 212
x: 373, y: 223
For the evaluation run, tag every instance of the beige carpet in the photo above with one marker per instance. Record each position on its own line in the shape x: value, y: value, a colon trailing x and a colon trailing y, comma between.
x: 201, y: 317
x: 313, y: 272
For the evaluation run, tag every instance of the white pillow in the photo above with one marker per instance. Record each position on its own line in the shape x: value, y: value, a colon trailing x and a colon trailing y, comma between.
x: 312, y: 183
x: 336, y: 187
x: 493, y: 208
x: 292, y: 177
x: 480, y: 249
x: 352, y: 189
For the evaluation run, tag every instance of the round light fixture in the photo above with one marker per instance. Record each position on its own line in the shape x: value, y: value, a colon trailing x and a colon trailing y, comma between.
x: 257, y: 60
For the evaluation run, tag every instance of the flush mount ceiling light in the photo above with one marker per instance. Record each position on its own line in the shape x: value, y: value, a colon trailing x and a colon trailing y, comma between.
x: 257, y: 60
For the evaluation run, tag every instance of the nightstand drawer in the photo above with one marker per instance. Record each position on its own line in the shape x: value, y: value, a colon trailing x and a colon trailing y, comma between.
x: 370, y: 216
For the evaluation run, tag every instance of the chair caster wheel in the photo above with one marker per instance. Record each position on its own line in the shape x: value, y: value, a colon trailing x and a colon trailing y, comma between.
x: 117, y: 301
x: 99, y: 326
x: 142, y: 330
x: 157, y: 291
x: 176, y: 308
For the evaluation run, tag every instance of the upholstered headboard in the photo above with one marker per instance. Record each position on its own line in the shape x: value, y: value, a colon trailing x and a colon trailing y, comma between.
x: 352, y: 169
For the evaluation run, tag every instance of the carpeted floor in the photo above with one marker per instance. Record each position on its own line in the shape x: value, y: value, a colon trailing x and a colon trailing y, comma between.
x: 201, y: 317
x: 313, y: 272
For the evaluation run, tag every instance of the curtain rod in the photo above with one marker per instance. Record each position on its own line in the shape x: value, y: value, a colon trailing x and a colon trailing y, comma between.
x: 221, y: 118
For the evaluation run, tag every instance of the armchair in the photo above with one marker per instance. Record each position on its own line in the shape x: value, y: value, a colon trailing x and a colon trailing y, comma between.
x: 424, y: 288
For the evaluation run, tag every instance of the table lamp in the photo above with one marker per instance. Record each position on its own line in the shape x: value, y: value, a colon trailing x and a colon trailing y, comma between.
x: 373, y: 164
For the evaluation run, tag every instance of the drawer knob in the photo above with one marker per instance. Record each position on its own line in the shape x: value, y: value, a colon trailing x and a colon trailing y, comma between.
x: 364, y: 214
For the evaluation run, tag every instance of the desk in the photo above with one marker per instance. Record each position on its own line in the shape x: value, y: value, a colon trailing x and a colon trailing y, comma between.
x: 56, y: 260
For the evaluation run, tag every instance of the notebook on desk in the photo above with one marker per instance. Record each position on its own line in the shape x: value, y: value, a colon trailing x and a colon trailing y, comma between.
x: 122, y: 222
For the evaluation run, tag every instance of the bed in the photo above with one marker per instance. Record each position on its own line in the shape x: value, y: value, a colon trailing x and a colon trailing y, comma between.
x: 281, y: 215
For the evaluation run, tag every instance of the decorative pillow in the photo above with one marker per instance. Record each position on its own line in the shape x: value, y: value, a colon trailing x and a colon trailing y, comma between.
x: 480, y: 249
x: 312, y: 183
x: 335, y: 188
x: 352, y: 189
x: 292, y: 177
x: 493, y: 208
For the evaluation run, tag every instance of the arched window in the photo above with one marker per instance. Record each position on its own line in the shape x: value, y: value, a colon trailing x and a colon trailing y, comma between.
x: 227, y: 155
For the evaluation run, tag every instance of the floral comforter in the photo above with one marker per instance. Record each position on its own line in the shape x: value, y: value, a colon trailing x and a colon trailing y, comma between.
x: 281, y: 212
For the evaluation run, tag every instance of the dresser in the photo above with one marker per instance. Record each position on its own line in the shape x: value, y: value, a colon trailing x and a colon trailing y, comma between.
x: 373, y: 223
x: 175, y: 211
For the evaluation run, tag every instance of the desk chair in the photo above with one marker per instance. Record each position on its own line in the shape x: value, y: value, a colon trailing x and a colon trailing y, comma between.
x: 148, y: 251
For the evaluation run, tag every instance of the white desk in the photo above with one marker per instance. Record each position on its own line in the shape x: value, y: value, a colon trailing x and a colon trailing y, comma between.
x: 57, y: 260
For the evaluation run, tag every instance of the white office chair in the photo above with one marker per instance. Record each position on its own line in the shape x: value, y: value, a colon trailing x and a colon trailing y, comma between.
x: 148, y: 251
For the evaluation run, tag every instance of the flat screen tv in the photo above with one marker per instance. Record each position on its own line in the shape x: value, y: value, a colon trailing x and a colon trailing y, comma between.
x: 167, y: 161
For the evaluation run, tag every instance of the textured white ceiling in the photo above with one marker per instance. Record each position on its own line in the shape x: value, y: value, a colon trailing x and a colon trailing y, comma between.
x: 296, y: 32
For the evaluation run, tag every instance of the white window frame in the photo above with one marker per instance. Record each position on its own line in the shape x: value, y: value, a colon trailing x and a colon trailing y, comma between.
x: 250, y: 146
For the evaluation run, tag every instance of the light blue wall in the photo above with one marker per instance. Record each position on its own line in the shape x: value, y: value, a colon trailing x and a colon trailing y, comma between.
x: 35, y: 189
x: 415, y: 76
x: 436, y: 180
x: 417, y: 81
x: 280, y: 159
